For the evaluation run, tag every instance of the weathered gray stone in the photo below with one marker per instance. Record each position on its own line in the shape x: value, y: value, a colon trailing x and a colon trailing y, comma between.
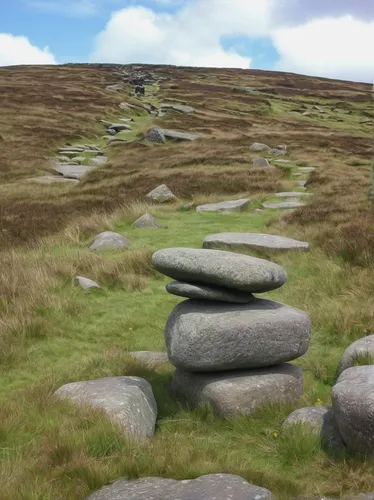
x: 205, y: 292
x: 178, y: 107
x: 353, y: 404
x: 99, y: 161
x: 256, y: 241
x: 258, y: 146
x: 284, y: 204
x: 151, y: 358
x: 291, y: 194
x: 277, y: 152
x: 216, y: 267
x: 261, y: 162
x: 204, y: 336
x: 181, y: 136
x: 161, y: 194
x: 72, y: 171
x: 321, y: 421
x: 239, y: 392
x: 109, y: 241
x: 225, y: 206
x: 119, y: 126
x: 363, y: 348
x: 209, y: 487
x: 85, y: 283
x: 128, y: 401
x: 156, y: 135
x: 147, y: 221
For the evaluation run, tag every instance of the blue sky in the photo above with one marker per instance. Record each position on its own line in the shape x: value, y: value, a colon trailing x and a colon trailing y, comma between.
x: 303, y: 36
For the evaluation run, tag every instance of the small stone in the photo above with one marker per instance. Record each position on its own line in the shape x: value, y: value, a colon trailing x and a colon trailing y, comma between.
x: 277, y: 152
x: 284, y: 204
x: 261, y: 162
x: 258, y: 146
x: 119, y: 126
x: 152, y: 359
x: 161, y: 194
x: 256, y: 241
x: 109, y: 241
x: 291, y: 194
x: 85, y: 283
x: 127, y: 401
x: 156, y: 135
x: 225, y: 206
x: 205, y: 292
x: 241, y: 392
x: 362, y: 348
x: 147, y: 221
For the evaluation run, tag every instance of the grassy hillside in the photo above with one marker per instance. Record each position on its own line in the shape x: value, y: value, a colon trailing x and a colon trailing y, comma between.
x: 52, y: 333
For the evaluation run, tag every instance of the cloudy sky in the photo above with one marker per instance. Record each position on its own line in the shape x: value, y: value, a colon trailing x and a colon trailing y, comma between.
x: 332, y: 38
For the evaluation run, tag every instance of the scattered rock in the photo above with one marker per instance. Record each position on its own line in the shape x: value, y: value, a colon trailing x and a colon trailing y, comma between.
x: 109, y: 241
x: 127, y: 401
x: 258, y: 146
x: 161, y: 194
x: 210, y: 487
x: 147, y: 221
x: 72, y: 171
x: 362, y: 348
x: 321, y: 420
x: 210, y: 336
x: 277, y: 152
x: 261, y: 162
x: 284, y: 204
x: 239, y: 392
x: 205, y: 292
x: 156, y: 135
x: 99, y: 161
x: 291, y: 194
x: 85, y: 283
x: 256, y: 241
x: 225, y: 206
x: 353, y: 404
x: 216, y: 267
x: 182, y: 136
x: 119, y: 126
x: 178, y: 107
x: 152, y: 359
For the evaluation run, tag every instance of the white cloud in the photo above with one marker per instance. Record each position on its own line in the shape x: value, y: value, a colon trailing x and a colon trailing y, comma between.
x: 16, y: 50
x: 332, y: 47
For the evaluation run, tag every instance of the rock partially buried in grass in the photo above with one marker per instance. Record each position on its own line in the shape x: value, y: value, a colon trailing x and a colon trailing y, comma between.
x: 127, y: 401
x: 255, y: 241
x: 277, y: 152
x: 110, y: 241
x: 156, y: 135
x: 216, y: 267
x: 236, y: 393
x: 361, y: 350
x: 179, y: 135
x: 86, y: 283
x: 292, y: 194
x: 72, y: 171
x: 161, y: 194
x: 258, y: 146
x: 147, y: 221
x: 261, y: 162
x: 209, y: 487
x: 99, y: 161
x: 225, y: 206
x: 204, y: 336
x: 205, y: 292
x: 152, y: 359
x: 177, y: 107
x: 284, y: 204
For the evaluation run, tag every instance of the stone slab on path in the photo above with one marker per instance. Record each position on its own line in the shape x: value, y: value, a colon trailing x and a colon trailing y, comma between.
x: 177, y: 107
x: 241, y: 392
x: 209, y: 487
x: 208, y: 336
x: 204, y: 292
x: 362, y: 348
x: 284, y: 204
x: 127, y: 401
x: 72, y: 171
x: 255, y: 241
x: 108, y: 240
x: 225, y: 206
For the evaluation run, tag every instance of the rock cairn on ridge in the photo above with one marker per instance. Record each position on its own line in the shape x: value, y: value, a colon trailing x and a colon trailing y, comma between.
x: 230, y: 348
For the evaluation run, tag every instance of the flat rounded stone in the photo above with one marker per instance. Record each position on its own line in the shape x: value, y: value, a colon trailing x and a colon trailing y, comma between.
x: 207, y: 336
x: 217, y: 267
x: 242, y: 392
x: 147, y: 221
x: 225, y: 206
x: 362, y: 348
x: 258, y: 146
x: 255, y: 241
x: 284, y: 204
x: 109, y: 241
x: 205, y: 292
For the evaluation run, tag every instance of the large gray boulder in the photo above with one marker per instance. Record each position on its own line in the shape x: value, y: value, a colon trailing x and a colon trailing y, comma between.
x: 127, y: 401
x: 206, y: 336
x: 209, y: 487
x: 156, y: 135
x: 225, y: 206
x: 205, y: 292
x: 108, y: 240
x: 217, y: 267
x: 147, y: 221
x: 353, y: 404
x: 255, y: 241
x: 259, y: 146
x: 362, y: 348
x: 161, y: 194
x: 320, y: 419
x: 239, y: 392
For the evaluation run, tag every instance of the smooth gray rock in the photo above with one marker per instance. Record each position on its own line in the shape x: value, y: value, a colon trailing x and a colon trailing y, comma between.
x: 204, y: 336
x: 261, y: 162
x: 205, y: 292
x: 217, y: 267
x: 156, y: 135
x: 225, y: 206
x: 109, y: 241
x: 52, y: 179
x: 284, y: 204
x: 179, y: 135
x: 128, y: 401
x: 277, y: 152
x: 99, y: 161
x: 255, y: 241
x: 85, y: 283
x: 239, y: 392
x: 147, y: 221
x: 258, y: 146
x: 361, y: 348
x: 161, y: 194
x: 353, y: 404
x: 209, y: 487
x: 321, y: 421
x: 72, y: 171
x: 291, y: 194
x: 178, y: 107
x: 151, y: 358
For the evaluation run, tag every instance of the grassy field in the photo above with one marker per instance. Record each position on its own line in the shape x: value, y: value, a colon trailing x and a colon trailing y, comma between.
x: 52, y: 333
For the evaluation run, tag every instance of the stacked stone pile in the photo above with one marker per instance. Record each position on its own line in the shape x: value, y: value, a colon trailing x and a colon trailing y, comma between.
x: 231, y: 348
